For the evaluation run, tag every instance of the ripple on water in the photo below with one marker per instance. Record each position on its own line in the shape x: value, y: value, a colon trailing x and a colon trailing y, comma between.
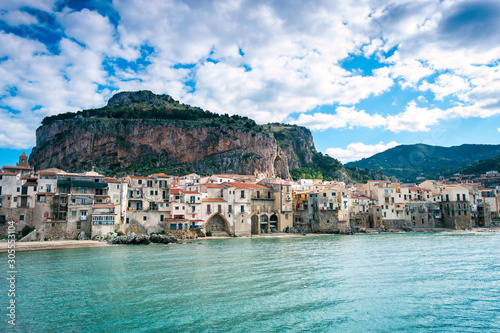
x: 361, y: 283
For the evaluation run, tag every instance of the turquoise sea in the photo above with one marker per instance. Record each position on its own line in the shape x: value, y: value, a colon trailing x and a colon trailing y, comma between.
x: 414, y: 282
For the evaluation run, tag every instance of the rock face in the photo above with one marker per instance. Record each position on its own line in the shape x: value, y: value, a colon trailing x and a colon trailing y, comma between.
x: 203, y: 146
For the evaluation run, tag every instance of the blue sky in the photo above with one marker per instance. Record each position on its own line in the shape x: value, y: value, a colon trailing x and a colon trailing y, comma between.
x: 364, y: 76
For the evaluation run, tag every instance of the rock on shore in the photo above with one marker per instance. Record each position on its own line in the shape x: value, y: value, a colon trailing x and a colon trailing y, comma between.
x: 143, y: 239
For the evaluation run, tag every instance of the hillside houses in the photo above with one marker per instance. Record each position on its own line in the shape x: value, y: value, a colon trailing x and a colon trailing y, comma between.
x: 68, y: 205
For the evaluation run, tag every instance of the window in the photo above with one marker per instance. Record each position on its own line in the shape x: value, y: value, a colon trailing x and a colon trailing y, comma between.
x: 0, y: 189
x: 83, y: 215
x: 463, y: 196
x: 458, y: 197
x: 117, y: 187
x: 242, y: 194
x: 151, y: 192
x: 83, y: 191
x: 127, y: 220
x: 150, y: 183
x: 161, y: 217
x: 192, y: 199
x: 21, y: 217
x: 219, y: 208
x: 193, y: 208
x: 73, y: 213
x: 173, y: 226
x: 18, y: 189
x: 144, y: 218
x: 139, y: 182
x: 230, y: 209
x: 176, y: 207
x: 209, y: 209
x: 242, y: 208
x: 78, y: 225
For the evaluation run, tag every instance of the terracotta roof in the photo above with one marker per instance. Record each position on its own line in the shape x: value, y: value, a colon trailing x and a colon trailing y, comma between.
x: 212, y: 185
x: 179, y: 191
x: 162, y: 175
x: 43, y: 193
x: 8, y: 174
x: 213, y: 200
x: 245, y: 185
x: 190, y: 192
x: 416, y: 188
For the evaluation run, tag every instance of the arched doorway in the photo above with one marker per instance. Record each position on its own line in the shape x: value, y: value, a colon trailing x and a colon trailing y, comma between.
x: 255, y: 225
x: 217, y: 225
x: 264, y: 224
x: 273, y: 222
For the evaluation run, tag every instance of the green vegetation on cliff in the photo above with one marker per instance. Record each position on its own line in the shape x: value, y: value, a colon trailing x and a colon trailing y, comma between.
x: 145, y: 105
x: 481, y: 167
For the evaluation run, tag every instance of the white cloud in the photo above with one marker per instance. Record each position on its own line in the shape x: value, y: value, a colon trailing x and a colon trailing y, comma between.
x: 344, y: 117
x: 446, y: 85
x: 268, y: 59
x: 17, y: 18
x: 357, y: 151
x: 414, y: 119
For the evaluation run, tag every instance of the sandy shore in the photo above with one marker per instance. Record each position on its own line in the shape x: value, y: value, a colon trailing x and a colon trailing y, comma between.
x: 52, y: 245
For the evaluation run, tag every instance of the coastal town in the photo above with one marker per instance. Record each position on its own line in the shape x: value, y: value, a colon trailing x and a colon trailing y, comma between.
x: 55, y: 204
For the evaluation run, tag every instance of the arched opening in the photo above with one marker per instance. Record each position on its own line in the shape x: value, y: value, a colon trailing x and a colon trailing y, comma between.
x: 217, y: 225
x: 264, y: 224
x: 255, y: 225
x: 273, y: 224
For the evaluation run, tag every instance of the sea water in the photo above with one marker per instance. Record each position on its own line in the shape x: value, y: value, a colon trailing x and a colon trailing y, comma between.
x: 413, y: 282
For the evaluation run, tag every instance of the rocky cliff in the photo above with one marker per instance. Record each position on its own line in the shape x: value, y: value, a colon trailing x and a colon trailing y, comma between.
x: 201, y: 142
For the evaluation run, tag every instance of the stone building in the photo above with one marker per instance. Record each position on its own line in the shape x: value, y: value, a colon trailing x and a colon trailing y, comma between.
x: 455, y: 207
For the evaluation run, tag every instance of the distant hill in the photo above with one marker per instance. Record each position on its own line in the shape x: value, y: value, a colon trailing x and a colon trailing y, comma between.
x: 481, y: 167
x: 407, y: 162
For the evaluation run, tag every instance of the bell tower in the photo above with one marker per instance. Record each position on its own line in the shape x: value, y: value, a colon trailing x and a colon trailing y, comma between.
x: 23, y: 161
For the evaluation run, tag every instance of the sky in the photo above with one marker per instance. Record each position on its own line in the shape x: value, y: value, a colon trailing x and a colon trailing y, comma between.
x: 363, y: 75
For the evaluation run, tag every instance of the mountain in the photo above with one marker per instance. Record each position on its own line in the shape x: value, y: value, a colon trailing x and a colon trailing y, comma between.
x: 407, y: 162
x: 140, y: 132
x: 481, y: 167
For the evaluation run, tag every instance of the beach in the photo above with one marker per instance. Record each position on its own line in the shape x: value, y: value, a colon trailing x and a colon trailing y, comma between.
x: 51, y: 245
